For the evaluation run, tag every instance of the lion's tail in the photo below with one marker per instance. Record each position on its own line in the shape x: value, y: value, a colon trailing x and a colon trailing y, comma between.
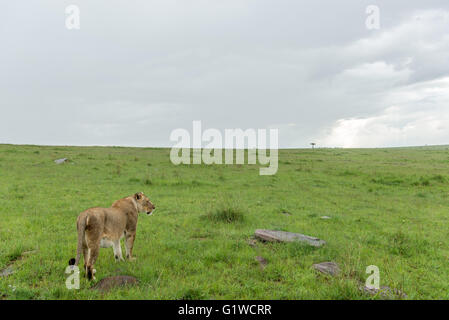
x: 81, y: 226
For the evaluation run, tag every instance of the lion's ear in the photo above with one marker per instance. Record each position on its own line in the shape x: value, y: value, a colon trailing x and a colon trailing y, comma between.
x: 137, y: 196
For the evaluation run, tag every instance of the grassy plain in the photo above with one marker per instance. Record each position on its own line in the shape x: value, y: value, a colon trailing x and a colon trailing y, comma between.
x: 388, y: 207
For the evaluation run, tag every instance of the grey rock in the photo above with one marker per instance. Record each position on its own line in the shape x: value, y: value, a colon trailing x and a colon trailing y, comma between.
x: 252, y: 242
x: 330, y: 268
x: 109, y: 283
x: 25, y: 253
x: 384, y: 292
x: 63, y: 160
x: 283, y: 236
x: 7, y: 271
x: 325, y: 217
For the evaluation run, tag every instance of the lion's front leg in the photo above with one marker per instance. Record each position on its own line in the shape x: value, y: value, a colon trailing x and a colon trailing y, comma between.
x: 129, y: 243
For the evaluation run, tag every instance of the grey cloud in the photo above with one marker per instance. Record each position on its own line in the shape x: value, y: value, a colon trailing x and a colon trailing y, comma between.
x: 136, y: 71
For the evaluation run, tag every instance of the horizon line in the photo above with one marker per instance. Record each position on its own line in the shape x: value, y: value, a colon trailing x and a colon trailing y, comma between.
x: 165, y: 147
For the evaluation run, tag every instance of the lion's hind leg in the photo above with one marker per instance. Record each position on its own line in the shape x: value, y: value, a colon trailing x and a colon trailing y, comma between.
x: 118, y: 250
x: 94, y: 250
x: 85, y: 254
x: 93, y: 243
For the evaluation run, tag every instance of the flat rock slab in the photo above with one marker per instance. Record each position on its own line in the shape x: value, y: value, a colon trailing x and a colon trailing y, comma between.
x: 325, y: 217
x: 330, y: 268
x: 109, y: 283
x: 63, y: 160
x: 7, y: 271
x: 283, y: 236
x: 384, y: 292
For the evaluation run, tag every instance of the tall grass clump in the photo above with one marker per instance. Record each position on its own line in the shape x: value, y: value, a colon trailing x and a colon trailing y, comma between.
x: 226, y: 211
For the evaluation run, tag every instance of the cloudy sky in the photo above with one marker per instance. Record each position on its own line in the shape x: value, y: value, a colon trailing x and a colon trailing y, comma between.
x: 136, y: 70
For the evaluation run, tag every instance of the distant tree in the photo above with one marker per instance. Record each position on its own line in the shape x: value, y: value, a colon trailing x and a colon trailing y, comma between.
x: 313, y: 145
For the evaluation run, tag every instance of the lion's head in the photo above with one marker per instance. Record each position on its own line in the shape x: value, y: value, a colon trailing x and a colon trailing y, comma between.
x: 143, y: 203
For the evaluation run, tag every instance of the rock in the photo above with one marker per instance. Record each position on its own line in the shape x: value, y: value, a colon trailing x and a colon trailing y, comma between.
x: 262, y: 262
x: 330, y: 268
x: 384, y: 292
x: 286, y: 213
x: 25, y: 253
x: 283, y: 236
x: 252, y: 242
x: 325, y: 217
x: 63, y: 160
x: 7, y: 271
x: 108, y: 283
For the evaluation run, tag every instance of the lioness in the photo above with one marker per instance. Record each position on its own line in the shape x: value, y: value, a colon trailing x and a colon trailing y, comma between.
x: 104, y: 227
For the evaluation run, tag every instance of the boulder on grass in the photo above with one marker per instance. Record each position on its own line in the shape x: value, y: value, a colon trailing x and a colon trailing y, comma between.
x: 283, y: 236
x: 7, y: 271
x: 330, y: 268
x: 109, y: 283
x: 63, y: 160
x: 384, y: 292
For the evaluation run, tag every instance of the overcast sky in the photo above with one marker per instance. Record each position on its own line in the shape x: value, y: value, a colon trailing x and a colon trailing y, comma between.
x: 136, y: 70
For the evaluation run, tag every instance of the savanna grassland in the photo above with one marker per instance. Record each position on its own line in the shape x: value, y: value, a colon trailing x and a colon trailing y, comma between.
x: 388, y: 207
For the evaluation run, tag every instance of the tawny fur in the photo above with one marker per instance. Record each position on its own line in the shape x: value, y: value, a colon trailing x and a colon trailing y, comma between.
x: 109, y: 225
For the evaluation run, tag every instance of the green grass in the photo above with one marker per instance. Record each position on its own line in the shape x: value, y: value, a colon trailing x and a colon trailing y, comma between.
x: 388, y: 207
